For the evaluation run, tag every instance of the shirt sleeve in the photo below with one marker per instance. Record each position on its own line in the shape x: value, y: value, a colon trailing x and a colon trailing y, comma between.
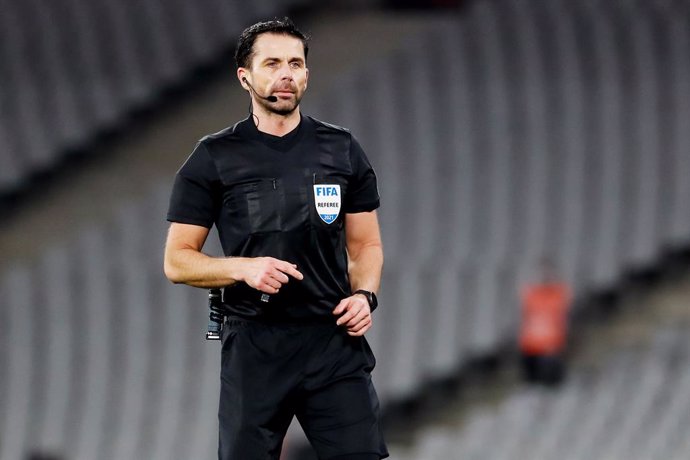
x: 363, y: 193
x: 195, y: 197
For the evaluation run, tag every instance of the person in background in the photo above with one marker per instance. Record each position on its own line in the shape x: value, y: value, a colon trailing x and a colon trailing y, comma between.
x: 545, y: 305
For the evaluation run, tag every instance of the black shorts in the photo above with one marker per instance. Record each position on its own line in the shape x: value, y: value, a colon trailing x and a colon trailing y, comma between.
x: 547, y: 369
x: 318, y: 373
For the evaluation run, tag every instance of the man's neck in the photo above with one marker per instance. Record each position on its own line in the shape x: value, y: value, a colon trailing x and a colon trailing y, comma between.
x: 275, y: 124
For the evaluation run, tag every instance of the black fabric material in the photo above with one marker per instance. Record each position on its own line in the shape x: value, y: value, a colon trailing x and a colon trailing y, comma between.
x: 544, y: 369
x: 272, y: 372
x: 357, y: 457
x: 259, y: 192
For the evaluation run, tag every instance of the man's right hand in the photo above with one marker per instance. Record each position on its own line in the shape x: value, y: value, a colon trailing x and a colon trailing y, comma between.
x: 268, y: 274
x: 185, y: 263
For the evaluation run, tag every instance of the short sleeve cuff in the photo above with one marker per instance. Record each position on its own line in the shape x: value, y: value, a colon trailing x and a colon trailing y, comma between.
x: 363, y: 207
x: 189, y: 220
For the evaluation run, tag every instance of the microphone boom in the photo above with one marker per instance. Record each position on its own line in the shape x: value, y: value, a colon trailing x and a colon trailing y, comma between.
x: 268, y: 98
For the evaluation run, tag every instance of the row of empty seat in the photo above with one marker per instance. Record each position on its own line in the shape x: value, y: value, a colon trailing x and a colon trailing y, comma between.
x: 102, y: 356
x: 71, y: 70
x: 515, y: 129
x: 635, y: 406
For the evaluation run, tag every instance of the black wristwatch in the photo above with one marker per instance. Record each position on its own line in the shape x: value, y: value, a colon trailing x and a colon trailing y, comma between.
x: 371, y: 298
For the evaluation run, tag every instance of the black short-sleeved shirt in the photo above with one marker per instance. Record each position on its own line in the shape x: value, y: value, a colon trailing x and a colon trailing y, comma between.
x: 284, y: 197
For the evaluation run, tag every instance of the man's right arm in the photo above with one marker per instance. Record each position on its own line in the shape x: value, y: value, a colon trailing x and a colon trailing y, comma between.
x: 185, y: 263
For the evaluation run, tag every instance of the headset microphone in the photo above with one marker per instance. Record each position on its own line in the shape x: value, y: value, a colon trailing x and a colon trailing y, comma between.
x: 268, y: 98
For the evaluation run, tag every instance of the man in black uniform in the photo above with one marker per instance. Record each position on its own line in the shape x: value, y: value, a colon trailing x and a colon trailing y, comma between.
x: 294, y: 203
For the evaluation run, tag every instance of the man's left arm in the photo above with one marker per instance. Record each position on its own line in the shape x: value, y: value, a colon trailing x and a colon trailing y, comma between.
x: 365, y: 262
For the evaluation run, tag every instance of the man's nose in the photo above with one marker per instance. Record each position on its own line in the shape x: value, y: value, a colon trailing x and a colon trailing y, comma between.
x: 285, y: 72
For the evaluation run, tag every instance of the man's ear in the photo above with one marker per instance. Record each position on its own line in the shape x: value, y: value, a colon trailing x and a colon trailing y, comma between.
x: 306, y: 80
x: 241, y: 76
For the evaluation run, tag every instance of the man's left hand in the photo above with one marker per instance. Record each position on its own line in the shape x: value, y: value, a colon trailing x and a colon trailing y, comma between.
x: 356, y: 314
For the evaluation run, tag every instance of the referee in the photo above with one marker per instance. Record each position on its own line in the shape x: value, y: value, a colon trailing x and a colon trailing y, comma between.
x: 293, y: 200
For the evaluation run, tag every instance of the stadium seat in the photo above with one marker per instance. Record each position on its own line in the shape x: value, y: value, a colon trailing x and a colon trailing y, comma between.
x: 20, y: 312
x: 679, y: 44
x: 60, y: 335
x: 98, y: 342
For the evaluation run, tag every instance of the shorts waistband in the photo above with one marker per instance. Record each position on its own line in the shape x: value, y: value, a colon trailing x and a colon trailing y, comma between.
x: 306, y: 322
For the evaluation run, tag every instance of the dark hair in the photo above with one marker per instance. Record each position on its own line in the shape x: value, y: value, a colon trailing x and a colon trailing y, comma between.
x: 245, y: 44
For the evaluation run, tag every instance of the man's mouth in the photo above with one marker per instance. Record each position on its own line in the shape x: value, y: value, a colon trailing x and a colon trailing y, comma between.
x: 283, y: 93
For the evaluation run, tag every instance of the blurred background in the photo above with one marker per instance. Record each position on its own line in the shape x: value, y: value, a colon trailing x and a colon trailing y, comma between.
x: 504, y: 133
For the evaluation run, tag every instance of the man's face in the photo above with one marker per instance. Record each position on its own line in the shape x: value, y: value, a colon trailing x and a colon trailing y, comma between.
x: 278, y: 68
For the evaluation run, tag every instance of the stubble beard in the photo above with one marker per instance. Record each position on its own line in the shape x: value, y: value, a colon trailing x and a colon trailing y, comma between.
x: 281, y: 107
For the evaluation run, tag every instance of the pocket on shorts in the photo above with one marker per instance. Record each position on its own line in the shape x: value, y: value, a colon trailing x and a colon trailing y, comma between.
x: 229, y: 332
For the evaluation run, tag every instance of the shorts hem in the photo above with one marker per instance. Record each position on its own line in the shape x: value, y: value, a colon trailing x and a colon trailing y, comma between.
x: 341, y: 456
